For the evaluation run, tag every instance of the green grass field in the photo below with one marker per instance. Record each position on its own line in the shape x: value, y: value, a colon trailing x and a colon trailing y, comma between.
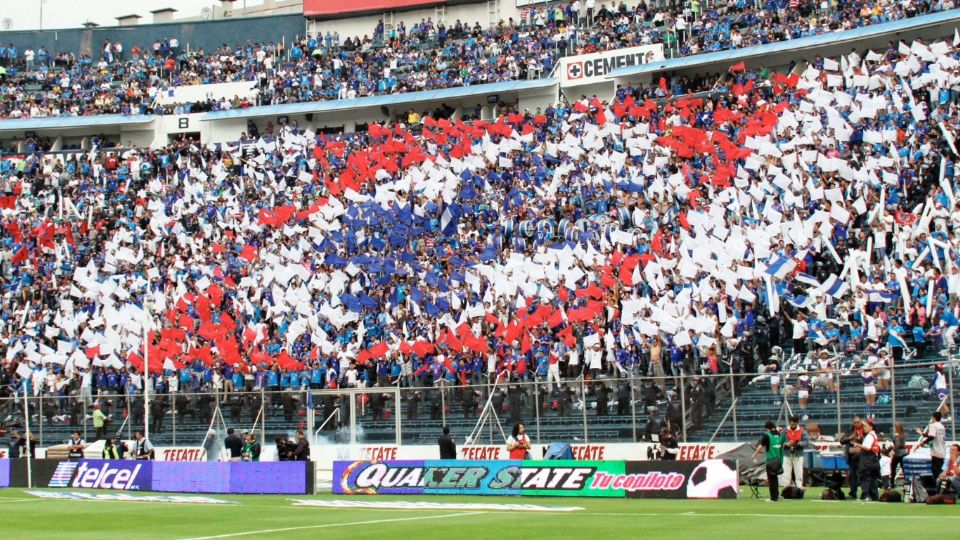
x: 26, y: 516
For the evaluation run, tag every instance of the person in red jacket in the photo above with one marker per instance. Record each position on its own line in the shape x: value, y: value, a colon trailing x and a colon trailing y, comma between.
x: 519, y: 443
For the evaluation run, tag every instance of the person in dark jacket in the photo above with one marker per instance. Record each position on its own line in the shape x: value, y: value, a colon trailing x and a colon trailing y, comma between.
x: 448, y: 448
x: 301, y: 452
x: 654, y: 424
x: 234, y: 445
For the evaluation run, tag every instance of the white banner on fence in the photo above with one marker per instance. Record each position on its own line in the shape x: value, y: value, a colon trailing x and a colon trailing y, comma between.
x: 324, y: 456
x: 593, y: 68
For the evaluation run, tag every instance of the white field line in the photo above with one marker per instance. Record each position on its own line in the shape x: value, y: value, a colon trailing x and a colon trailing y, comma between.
x: 332, y: 525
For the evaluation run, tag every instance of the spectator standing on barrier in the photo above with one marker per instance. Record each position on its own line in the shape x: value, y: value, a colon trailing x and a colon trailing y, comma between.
x: 518, y: 445
x: 75, y: 446
x: 251, y: 448
x: 142, y: 449
x: 99, y: 422
x: 771, y: 444
x: 234, y: 445
x: 301, y: 451
x: 796, y: 441
x: 936, y: 436
x: 869, y: 462
x: 448, y: 448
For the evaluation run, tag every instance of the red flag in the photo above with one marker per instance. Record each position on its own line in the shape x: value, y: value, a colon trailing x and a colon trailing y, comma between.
x: 249, y: 253
x: 379, y: 350
x: 741, y: 66
x: 20, y: 255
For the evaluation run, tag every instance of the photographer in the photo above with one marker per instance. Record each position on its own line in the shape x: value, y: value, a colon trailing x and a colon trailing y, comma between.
x: 142, y: 449
x: 75, y: 446
x: 869, y: 463
x: 851, y: 443
x: 796, y: 442
x: 251, y: 448
x: 284, y: 449
x: 771, y: 443
x: 669, y: 448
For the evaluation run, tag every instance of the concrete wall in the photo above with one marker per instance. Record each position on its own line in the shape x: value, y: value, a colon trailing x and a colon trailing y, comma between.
x: 206, y: 35
x: 364, y: 25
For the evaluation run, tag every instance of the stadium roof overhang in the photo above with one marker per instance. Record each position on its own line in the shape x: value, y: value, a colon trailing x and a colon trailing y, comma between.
x: 502, y: 89
x: 63, y: 123
x: 927, y: 27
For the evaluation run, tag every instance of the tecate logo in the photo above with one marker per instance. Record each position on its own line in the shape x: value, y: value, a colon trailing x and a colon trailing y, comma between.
x: 106, y: 477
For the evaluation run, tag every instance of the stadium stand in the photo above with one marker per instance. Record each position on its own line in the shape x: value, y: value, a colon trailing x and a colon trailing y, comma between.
x: 719, y: 230
x: 128, y: 78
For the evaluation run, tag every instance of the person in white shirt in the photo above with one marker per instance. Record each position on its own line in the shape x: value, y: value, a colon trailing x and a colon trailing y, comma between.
x: 869, y: 469
x: 594, y: 357
x: 799, y: 332
x: 936, y: 436
x: 142, y: 449
x: 590, y: 5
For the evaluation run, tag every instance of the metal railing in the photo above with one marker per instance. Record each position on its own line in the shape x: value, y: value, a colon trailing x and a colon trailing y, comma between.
x: 698, y: 406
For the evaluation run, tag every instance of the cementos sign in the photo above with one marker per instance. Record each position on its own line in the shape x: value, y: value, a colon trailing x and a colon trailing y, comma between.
x: 632, y: 479
x: 594, y: 67
x: 113, y: 474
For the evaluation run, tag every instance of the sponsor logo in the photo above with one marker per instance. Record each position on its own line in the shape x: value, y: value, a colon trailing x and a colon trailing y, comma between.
x: 379, y: 453
x: 480, y: 452
x: 588, y: 452
x: 63, y: 474
x: 374, y: 476
x: 182, y: 454
x: 652, y: 481
x: 111, y: 475
x: 595, y: 67
x: 696, y: 452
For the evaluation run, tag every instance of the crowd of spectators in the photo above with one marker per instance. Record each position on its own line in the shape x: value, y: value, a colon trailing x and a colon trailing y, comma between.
x: 587, y: 239
x: 125, y: 79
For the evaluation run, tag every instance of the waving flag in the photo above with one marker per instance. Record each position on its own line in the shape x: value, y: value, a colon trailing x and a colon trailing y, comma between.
x: 781, y: 267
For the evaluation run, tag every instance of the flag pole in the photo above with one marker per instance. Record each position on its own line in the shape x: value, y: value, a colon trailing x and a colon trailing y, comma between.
x: 26, y: 423
x: 146, y: 372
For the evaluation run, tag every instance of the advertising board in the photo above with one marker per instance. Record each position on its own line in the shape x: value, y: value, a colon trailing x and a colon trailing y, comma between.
x: 276, y: 477
x: 594, y: 67
x: 631, y: 479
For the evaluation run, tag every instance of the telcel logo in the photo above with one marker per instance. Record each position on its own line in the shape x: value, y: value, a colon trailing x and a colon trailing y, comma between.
x: 106, y: 477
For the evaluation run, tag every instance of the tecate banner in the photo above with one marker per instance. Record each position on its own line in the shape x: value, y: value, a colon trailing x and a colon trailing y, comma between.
x: 594, y: 67
x: 709, y: 479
